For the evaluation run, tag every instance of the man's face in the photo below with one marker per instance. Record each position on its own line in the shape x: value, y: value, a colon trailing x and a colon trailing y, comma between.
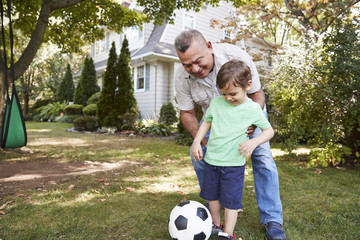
x: 198, y: 60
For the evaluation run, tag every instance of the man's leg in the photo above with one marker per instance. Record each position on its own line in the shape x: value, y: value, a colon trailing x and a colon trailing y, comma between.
x: 266, y: 184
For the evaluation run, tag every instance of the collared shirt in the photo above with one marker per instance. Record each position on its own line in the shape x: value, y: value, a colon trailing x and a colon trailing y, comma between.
x: 191, y: 90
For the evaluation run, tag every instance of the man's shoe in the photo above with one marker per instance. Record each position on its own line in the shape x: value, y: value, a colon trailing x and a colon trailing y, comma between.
x: 226, y: 236
x: 216, y: 229
x: 274, y: 231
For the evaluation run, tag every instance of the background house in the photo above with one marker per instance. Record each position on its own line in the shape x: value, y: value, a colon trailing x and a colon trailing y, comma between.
x: 154, y: 58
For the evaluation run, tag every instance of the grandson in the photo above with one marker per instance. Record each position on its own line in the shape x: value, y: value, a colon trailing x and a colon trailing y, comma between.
x: 229, y: 117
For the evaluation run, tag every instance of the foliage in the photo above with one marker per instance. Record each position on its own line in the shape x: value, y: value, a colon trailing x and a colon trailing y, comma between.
x: 314, y: 91
x: 94, y: 98
x: 65, y: 118
x: 279, y: 21
x: 168, y: 114
x: 74, y: 109
x: 106, y: 111
x: 153, y: 128
x: 90, y: 110
x: 125, y: 100
x: 332, y: 154
x: 87, y: 123
x: 86, y: 85
x: 65, y: 91
x: 127, y: 122
x: 50, y: 111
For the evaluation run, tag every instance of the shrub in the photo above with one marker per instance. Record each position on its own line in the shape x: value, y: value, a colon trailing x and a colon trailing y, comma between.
x: 74, y: 109
x: 153, y: 128
x: 94, y: 98
x: 90, y: 110
x: 86, y: 123
x: 51, y: 111
x: 65, y: 118
x: 168, y: 114
x: 127, y: 121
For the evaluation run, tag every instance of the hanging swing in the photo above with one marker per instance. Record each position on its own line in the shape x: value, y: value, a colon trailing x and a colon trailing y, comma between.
x: 13, y: 130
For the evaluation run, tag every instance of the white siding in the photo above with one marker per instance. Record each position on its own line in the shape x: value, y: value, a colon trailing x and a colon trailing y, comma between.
x: 202, y: 22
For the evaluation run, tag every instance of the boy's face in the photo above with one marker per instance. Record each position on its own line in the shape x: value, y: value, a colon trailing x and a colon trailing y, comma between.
x: 235, y: 95
x: 198, y: 59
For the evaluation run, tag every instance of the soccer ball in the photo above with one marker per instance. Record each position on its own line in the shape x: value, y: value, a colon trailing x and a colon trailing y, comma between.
x: 190, y: 220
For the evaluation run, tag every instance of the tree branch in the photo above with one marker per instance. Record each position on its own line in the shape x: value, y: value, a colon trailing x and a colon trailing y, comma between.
x: 38, y: 34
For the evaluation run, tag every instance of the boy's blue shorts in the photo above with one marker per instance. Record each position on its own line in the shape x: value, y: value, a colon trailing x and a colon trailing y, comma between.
x: 224, y: 184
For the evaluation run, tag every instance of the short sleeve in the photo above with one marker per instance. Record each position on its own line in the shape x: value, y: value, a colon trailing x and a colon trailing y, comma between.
x: 261, y: 121
x: 183, y: 92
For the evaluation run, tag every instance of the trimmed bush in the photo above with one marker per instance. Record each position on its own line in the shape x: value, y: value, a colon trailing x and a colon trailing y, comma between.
x: 86, y: 123
x: 74, y: 109
x: 168, y: 114
x: 94, y: 98
x: 90, y: 110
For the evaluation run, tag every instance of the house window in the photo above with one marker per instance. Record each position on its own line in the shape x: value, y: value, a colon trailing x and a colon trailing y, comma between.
x: 189, y: 22
x: 100, y: 47
x: 140, y: 78
x: 134, y: 34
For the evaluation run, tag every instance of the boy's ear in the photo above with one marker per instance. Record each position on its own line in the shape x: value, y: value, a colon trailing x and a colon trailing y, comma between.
x: 248, y: 87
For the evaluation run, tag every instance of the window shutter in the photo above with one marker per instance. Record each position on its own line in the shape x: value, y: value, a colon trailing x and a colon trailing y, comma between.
x: 147, y: 77
x: 121, y: 39
x: 93, y: 49
x: 107, y: 42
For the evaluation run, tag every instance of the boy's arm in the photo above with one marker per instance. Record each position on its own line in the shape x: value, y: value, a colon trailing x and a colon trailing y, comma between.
x: 196, y: 149
x: 248, y: 147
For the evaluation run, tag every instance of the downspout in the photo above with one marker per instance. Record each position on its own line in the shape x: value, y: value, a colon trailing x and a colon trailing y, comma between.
x: 155, y: 103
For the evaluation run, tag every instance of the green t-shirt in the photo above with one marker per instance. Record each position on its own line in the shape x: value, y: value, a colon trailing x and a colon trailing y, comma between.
x: 228, y: 129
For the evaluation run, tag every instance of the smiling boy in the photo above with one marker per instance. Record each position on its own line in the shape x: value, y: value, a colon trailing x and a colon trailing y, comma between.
x: 229, y: 117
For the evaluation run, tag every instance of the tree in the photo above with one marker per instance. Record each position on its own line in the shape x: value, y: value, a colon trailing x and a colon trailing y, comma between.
x: 278, y: 20
x: 106, y: 108
x: 65, y: 92
x: 126, y: 103
x: 86, y: 85
x: 73, y: 23
x: 315, y: 94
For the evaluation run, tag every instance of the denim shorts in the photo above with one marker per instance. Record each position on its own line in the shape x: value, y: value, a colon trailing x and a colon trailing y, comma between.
x: 224, y: 184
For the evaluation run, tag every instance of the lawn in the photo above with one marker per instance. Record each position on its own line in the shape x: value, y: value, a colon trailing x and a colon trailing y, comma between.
x: 133, y: 200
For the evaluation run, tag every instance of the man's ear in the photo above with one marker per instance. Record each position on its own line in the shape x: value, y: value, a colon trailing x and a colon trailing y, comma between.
x: 209, y: 46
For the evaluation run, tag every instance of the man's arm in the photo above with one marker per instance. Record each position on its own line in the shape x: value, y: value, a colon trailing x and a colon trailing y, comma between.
x: 258, y: 97
x: 190, y: 122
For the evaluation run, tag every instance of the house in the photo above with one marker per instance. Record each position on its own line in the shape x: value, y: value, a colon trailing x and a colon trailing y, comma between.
x: 154, y: 58
x: 153, y: 55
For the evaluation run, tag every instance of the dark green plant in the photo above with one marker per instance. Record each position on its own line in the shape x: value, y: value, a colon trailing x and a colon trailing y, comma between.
x: 160, y: 129
x: 87, y: 85
x: 86, y: 123
x: 51, y: 111
x: 125, y: 99
x: 106, y: 111
x: 94, y: 98
x: 127, y: 122
x: 168, y: 114
x: 74, y: 109
x: 90, y: 110
x: 65, y: 91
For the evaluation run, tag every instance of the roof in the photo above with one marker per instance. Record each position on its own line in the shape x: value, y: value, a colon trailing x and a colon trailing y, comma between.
x: 154, y: 45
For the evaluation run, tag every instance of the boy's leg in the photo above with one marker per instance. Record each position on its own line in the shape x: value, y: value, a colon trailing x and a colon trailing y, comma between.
x: 230, y: 220
x: 215, y: 210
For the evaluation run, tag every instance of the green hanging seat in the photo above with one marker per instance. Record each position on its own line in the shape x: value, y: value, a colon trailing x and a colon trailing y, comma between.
x: 13, y: 130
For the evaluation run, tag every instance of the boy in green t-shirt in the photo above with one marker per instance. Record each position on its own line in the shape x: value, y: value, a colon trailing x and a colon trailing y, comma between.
x: 229, y: 117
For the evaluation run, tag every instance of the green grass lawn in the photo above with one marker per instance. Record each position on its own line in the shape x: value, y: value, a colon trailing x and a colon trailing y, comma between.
x: 134, y: 200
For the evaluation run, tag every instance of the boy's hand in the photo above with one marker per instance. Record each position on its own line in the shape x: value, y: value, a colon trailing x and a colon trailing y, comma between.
x: 247, y: 148
x: 197, y: 152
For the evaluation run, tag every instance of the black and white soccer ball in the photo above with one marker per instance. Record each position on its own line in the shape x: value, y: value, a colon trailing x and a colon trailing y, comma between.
x: 190, y: 220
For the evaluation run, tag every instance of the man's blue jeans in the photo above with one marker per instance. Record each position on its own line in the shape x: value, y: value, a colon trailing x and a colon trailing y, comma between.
x: 265, y: 177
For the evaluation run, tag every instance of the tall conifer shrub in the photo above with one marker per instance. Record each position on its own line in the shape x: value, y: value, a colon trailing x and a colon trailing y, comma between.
x: 106, y: 111
x: 65, y: 92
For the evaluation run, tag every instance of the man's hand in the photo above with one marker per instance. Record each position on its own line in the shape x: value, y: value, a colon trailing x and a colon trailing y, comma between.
x: 250, y: 131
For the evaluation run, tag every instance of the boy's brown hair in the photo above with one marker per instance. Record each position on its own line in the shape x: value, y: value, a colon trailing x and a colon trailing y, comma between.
x: 234, y: 72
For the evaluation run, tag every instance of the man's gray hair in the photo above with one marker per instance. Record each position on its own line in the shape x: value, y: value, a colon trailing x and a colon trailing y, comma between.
x: 184, y: 40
